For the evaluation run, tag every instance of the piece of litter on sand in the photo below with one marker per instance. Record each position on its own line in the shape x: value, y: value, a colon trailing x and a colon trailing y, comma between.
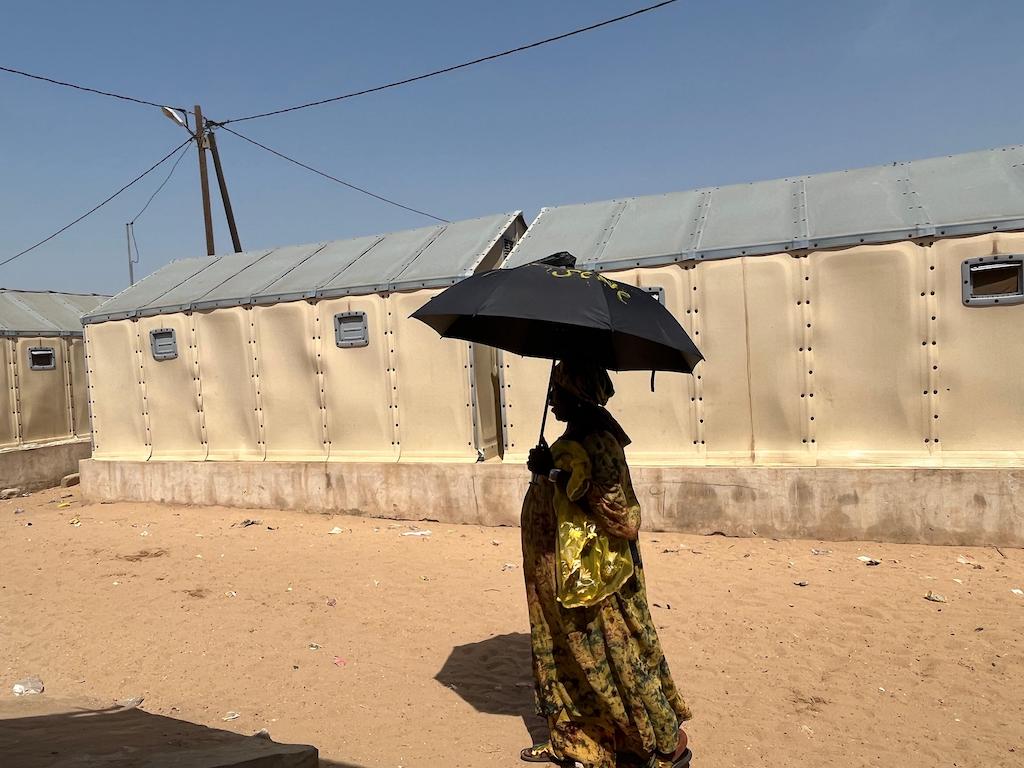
x: 417, y: 533
x: 18, y: 510
x: 935, y: 597
x: 144, y: 533
x: 331, y: 602
x: 1017, y: 591
x: 335, y: 530
x: 800, y: 583
x: 246, y: 523
x: 339, y: 662
x: 314, y: 646
x: 64, y: 505
x: 495, y: 542
x: 869, y: 560
x: 231, y: 593
x: 509, y: 567
x: 821, y: 551
x: 963, y: 560
x: 75, y: 522
x: 231, y: 716
x: 958, y: 581
x: 131, y: 703
x: 27, y: 687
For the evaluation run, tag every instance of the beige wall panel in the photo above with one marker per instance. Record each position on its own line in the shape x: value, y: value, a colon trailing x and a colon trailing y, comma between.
x: 980, y: 358
x: 525, y: 386
x: 293, y: 421
x: 45, y: 411
x: 773, y: 285
x: 119, y: 425
x: 227, y: 383
x: 8, y: 418
x: 719, y: 330
x: 172, y: 393
x: 485, y: 370
x: 79, y: 386
x: 434, y: 412
x: 358, y: 385
x: 867, y: 358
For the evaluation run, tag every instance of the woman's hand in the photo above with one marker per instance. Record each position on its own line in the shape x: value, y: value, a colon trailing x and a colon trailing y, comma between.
x: 541, y: 462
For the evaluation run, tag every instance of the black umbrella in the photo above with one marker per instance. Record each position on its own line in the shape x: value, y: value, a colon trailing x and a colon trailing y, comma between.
x: 552, y: 310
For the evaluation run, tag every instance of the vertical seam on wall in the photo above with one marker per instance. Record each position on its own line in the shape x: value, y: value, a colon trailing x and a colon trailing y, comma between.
x: 503, y: 401
x: 89, y: 392
x: 697, y: 379
x: 394, y: 393
x: 260, y: 432
x: 142, y: 389
x: 477, y: 441
x: 68, y: 391
x: 746, y: 337
x: 318, y: 350
x: 16, y: 384
x: 197, y: 382
x: 806, y: 357
x: 931, y: 317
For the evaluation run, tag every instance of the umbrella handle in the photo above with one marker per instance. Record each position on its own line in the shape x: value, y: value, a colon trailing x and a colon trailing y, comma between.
x: 536, y: 479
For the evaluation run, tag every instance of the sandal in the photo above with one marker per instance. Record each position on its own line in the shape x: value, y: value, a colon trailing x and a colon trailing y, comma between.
x: 541, y: 753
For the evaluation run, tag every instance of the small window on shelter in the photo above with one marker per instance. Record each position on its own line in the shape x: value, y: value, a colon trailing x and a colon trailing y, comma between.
x: 41, y: 358
x: 351, y: 330
x: 993, y: 280
x: 164, y: 343
x: 657, y: 292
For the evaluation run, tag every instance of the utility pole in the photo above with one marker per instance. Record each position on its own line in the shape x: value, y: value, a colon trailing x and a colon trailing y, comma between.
x: 204, y: 179
x: 228, y: 213
x: 131, y: 261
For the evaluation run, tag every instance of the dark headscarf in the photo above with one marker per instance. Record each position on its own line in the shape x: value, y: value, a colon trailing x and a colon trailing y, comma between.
x: 592, y: 387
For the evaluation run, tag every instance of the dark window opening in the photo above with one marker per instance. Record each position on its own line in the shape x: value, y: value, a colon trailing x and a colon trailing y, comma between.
x: 42, y: 358
x: 351, y: 330
x: 506, y: 246
x: 993, y: 280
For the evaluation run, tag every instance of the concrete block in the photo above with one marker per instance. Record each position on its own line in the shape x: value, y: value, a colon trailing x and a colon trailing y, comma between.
x: 41, y: 465
x: 69, y: 480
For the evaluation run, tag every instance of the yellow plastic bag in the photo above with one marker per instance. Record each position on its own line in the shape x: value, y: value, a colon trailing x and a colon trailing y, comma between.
x: 591, y: 564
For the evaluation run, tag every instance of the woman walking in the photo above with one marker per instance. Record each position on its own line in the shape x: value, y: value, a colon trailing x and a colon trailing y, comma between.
x: 602, y: 681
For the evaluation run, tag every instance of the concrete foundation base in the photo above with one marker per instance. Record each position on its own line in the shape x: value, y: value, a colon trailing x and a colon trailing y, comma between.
x: 41, y: 466
x: 929, y: 506
x: 40, y: 732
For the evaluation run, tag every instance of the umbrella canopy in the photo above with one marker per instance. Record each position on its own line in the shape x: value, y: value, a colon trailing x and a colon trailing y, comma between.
x: 552, y: 310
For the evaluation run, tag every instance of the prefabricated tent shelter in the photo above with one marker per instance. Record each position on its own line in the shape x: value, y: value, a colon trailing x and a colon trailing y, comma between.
x: 866, y: 317
x: 43, y: 383
x: 300, y: 353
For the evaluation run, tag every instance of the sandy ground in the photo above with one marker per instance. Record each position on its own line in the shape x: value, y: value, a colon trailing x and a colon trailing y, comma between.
x: 387, y: 650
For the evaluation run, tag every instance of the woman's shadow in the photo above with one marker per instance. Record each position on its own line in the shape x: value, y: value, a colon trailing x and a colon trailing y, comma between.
x: 495, y: 677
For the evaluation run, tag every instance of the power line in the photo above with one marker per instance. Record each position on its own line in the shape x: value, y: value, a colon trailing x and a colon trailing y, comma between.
x: 163, y: 183
x: 455, y: 67
x: 95, y: 208
x: 327, y: 175
x: 77, y: 87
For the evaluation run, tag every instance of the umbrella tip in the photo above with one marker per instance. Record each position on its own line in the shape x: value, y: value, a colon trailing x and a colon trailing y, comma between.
x: 560, y: 259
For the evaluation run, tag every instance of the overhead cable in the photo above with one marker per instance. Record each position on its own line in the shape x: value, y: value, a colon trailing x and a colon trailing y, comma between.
x: 95, y: 208
x: 86, y: 88
x: 329, y: 176
x: 455, y: 67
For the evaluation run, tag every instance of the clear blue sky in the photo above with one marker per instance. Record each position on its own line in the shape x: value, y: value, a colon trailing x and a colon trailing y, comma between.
x: 702, y: 92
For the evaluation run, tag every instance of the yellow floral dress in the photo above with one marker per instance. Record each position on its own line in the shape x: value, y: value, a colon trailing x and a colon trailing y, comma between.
x: 601, y: 677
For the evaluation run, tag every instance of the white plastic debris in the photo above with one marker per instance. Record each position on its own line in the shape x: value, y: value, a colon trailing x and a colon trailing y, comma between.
x: 821, y: 551
x: 335, y: 530
x: 935, y: 597
x: 27, y: 687
x: 964, y: 560
x: 417, y: 533
x: 231, y: 716
x: 1019, y: 592
x: 869, y: 560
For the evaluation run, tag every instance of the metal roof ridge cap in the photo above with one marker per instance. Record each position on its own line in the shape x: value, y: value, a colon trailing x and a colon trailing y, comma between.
x: 294, y: 266
x: 73, y: 309
x: 526, y: 234
x: 924, y: 219
x: 336, y: 275
x: 609, y: 228
x: 442, y: 228
x: 494, y: 241
x: 705, y: 208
